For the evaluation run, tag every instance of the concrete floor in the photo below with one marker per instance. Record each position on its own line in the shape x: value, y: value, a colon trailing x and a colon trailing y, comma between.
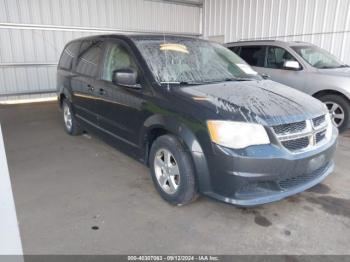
x: 64, y: 186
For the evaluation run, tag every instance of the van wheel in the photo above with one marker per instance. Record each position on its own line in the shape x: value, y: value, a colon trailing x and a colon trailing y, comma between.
x: 172, y: 171
x: 339, y: 109
x: 70, y: 122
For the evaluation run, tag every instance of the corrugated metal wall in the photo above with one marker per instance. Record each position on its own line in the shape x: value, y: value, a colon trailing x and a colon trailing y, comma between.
x: 34, y: 32
x: 325, y: 23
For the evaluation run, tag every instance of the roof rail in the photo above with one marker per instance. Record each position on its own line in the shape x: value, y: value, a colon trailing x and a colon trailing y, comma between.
x: 252, y: 41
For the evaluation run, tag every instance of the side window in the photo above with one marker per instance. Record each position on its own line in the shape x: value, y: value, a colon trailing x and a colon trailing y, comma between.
x: 235, y: 49
x: 89, y: 55
x: 68, y: 54
x: 253, y: 55
x: 117, y: 57
x: 276, y: 56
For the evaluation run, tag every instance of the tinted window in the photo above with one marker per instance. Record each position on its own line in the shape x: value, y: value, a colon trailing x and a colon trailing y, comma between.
x: 276, y: 56
x: 235, y: 49
x: 69, y: 53
x: 90, y: 52
x: 253, y: 55
x: 117, y: 57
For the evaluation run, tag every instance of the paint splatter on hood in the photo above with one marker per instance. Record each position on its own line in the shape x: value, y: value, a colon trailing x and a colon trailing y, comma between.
x: 265, y: 102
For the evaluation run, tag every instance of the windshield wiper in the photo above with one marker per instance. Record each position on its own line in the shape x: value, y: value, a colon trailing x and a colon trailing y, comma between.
x: 329, y: 67
x: 207, y: 82
x: 181, y: 83
x: 238, y: 79
x: 333, y: 67
x: 190, y: 83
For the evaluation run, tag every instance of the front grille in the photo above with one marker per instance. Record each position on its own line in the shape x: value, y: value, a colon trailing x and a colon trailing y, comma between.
x: 290, y: 128
x: 302, y: 135
x: 296, y: 144
x: 320, y: 136
x: 291, y: 182
x: 318, y: 121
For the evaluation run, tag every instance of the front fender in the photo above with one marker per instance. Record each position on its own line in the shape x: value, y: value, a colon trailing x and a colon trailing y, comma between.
x: 186, y: 136
x: 67, y: 94
x: 318, y: 83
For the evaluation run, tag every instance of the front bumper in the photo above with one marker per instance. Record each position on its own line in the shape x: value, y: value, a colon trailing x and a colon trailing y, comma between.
x: 263, y: 174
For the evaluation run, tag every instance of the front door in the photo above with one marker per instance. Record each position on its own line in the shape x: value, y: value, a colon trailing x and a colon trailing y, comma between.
x: 274, y: 67
x: 119, y: 107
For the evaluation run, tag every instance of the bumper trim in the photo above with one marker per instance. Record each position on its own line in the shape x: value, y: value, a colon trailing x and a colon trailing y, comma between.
x: 275, y: 196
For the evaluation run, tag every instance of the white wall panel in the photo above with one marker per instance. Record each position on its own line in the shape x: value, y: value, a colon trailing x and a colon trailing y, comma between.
x: 35, y: 32
x: 138, y: 15
x: 325, y: 23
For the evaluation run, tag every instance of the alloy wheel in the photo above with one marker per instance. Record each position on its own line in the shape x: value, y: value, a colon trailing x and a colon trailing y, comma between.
x: 167, y: 171
x: 67, y: 117
x: 336, y: 112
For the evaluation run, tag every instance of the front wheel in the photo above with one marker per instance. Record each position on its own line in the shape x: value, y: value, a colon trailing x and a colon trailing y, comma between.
x: 339, y: 110
x: 172, y: 171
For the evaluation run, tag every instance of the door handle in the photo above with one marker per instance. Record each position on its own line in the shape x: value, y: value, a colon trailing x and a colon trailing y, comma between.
x: 102, y: 91
x: 90, y: 88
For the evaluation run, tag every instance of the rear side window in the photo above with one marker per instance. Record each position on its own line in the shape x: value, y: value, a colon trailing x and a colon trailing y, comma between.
x: 68, y: 55
x: 235, y: 49
x: 253, y: 55
x: 276, y: 56
x: 89, y: 56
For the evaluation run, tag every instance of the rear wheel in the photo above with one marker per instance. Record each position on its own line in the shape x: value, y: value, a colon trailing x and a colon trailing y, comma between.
x: 70, y: 122
x: 172, y: 171
x: 339, y: 110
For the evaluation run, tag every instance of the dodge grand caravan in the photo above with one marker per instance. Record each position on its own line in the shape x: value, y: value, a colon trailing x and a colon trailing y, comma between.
x: 198, y: 116
x: 305, y: 67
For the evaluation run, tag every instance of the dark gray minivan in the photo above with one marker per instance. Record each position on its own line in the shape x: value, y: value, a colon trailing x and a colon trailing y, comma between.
x: 197, y: 115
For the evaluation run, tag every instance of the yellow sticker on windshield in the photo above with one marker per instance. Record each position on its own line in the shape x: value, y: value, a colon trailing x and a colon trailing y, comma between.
x: 174, y: 47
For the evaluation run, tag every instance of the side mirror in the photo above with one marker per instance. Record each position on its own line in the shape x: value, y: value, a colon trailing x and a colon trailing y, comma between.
x: 292, y: 65
x: 126, y: 77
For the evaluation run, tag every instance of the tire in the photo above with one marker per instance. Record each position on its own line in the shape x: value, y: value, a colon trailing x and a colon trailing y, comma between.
x: 73, y: 128
x: 180, y: 162
x: 342, y: 106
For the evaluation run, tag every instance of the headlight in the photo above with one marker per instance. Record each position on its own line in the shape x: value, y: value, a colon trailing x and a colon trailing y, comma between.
x: 237, y: 135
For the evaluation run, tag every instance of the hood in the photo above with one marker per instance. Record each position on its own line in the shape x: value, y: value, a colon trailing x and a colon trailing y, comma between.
x: 265, y: 102
x: 343, y: 71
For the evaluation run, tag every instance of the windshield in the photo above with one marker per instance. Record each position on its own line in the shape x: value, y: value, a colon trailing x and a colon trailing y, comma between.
x: 181, y: 60
x: 318, y: 57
